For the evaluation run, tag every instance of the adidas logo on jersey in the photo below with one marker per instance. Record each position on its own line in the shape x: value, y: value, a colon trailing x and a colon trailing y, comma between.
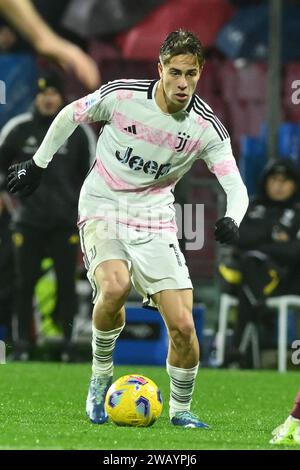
x: 137, y: 163
x: 130, y: 129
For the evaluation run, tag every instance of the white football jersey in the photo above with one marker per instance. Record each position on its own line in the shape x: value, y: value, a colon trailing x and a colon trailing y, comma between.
x: 143, y: 152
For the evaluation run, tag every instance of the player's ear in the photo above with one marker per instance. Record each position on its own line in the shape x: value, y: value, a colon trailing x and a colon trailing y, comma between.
x: 160, y: 69
x: 201, y: 69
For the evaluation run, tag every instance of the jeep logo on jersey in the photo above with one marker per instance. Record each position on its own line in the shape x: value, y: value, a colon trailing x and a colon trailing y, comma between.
x: 136, y: 163
x: 182, y: 140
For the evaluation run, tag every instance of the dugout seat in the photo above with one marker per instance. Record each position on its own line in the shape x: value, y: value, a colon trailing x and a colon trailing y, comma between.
x: 252, y: 82
x: 280, y: 303
x: 227, y: 75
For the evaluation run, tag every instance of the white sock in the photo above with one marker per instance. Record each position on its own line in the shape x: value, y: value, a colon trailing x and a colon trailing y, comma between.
x: 103, y: 345
x: 182, y: 383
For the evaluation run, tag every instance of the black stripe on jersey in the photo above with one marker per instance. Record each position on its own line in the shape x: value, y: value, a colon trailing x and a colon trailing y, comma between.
x: 200, y: 108
x: 121, y: 83
x: 136, y: 86
x: 206, y: 109
x: 219, y: 128
x: 123, y: 88
x: 150, y: 89
x: 191, y: 104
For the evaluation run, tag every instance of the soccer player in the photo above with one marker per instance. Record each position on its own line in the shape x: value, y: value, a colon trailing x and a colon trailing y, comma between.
x: 154, y: 130
x: 288, y: 433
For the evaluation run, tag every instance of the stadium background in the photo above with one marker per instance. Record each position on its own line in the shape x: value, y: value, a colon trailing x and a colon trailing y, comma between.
x: 124, y: 37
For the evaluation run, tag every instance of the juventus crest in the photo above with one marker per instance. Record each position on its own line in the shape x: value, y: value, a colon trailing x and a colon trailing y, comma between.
x: 181, y: 141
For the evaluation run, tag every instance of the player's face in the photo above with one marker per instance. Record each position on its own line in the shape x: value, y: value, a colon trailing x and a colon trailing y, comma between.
x: 279, y: 188
x: 49, y: 101
x: 179, y: 78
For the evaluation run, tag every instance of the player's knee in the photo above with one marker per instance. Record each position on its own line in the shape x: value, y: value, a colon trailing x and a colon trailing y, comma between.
x: 183, y: 333
x: 113, y: 289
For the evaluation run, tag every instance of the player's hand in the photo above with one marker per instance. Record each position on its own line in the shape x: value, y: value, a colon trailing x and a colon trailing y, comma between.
x: 226, y: 230
x: 71, y: 58
x: 23, y: 178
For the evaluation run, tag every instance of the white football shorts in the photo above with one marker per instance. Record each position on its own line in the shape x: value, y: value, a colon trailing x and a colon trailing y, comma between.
x: 155, y: 260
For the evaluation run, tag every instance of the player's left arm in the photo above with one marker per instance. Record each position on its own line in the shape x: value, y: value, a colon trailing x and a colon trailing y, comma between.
x: 220, y: 161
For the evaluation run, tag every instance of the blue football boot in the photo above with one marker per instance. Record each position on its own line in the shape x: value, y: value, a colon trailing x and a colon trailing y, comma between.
x: 95, y: 409
x: 186, y: 419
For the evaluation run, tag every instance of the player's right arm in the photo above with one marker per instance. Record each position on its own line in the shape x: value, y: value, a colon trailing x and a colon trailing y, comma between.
x: 25, y: 177
x: 91, y: 108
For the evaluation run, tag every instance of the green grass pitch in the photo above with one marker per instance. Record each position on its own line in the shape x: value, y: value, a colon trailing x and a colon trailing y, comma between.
x: 42, y: 406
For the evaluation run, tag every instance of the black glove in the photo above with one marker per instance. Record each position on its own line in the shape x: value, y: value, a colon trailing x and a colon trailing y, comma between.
x: 226, y: 230
x: 23, y: 178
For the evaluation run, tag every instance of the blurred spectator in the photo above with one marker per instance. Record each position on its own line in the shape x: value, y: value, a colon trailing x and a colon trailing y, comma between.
x: 8, y: 39
x: 98, y: 17
x: 44, y: 224
x: 268, y: 253
x: 6, y: 272
x: 25, y: 18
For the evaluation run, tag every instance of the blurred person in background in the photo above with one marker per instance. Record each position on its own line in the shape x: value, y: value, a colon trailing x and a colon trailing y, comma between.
x: 44, y: 224
x: 267, y: 255
x: 25, y: 18
x: 288, y: 433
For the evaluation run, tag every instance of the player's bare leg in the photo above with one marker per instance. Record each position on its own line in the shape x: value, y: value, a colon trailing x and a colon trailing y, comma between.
x: 113, y: 279
x: 183, y: 356
x: 176, y: 309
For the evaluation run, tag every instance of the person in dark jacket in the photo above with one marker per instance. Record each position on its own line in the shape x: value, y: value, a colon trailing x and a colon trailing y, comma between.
x: 6, y: 272
x: 268, y: 251
x: 44, y: 224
